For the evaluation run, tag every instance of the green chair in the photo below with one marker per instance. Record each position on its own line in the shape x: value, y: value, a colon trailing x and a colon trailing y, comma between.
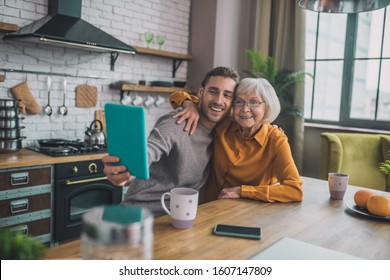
x: 356, y: 154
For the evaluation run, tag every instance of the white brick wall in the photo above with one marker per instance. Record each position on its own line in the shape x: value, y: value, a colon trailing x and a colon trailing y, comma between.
x: 128, y: 21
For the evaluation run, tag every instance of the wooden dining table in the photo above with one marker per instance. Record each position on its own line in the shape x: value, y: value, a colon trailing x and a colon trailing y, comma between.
x: 317, y: 220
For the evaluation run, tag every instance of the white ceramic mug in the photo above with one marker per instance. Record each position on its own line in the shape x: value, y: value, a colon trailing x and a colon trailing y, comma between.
x: 149, y: 101
x: 337, y: 183
x: 183, y: 206
x: 159, y: 101
x: 126, y: 100
x: 137, y: 101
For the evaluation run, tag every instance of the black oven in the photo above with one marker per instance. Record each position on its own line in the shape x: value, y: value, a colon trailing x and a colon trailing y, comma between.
x: 79, y: 186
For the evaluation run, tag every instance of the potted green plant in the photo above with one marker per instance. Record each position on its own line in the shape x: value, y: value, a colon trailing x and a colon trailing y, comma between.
x: 19, y: 247
x: 385, y: 167
x: 281, y: 80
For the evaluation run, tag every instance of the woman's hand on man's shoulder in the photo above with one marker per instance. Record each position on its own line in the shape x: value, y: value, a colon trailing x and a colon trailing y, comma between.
x: 189, y: 113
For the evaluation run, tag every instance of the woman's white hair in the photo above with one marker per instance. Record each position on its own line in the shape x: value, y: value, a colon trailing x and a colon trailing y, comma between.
x: 265, y: 90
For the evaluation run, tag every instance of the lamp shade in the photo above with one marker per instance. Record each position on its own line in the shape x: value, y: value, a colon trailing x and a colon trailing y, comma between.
x: 343, y: 6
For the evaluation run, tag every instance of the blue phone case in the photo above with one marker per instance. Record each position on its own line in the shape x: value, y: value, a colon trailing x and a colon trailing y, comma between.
x: 126, y: 137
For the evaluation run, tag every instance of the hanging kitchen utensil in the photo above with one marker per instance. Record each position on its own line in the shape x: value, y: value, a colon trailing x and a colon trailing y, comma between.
x: 48, y: 110
x: 63, y: 109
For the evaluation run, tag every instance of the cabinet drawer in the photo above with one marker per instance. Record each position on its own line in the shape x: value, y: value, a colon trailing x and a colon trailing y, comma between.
x: 22, y: 178
x: 33, y: 228
x: 17, y: 206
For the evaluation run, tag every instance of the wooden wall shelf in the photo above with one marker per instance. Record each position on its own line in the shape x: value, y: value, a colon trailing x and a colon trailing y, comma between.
x: 128, y: 87
x: 154, y: 52
x: 178, y: 58
x: 8, y: 27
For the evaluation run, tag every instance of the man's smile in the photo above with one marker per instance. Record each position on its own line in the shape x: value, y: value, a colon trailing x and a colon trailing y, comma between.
x: 216, y: 108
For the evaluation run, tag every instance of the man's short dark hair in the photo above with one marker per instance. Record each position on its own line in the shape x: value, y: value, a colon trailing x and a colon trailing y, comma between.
x: 221, y: 71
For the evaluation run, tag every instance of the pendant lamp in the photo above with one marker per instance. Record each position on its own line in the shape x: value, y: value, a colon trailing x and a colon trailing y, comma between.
x: 343, y: 6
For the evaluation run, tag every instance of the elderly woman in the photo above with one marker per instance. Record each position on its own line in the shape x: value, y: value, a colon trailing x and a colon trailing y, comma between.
x: 251, y: 158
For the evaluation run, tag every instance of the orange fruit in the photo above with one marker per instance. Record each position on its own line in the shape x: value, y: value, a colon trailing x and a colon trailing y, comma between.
x: 379, y: 205
x: 361, y: 197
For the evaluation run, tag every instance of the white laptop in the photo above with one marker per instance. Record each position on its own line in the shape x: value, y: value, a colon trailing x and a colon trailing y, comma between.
x: 292, y: 249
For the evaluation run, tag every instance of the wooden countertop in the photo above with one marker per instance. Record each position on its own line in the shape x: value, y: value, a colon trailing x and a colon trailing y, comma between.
x: 317, y: 220
x: 27, y: 157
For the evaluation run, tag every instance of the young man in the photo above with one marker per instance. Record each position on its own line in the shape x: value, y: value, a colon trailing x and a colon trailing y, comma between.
x: 177, y: 159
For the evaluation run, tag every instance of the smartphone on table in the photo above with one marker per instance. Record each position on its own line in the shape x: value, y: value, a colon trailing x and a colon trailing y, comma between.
x: 238, y: 231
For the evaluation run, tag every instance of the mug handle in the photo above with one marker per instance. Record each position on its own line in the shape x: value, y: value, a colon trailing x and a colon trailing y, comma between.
x: 163, y: 202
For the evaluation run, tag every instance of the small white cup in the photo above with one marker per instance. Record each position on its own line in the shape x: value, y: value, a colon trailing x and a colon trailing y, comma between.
x: 183, y: 206
x: 149, y: 101
x: 337, y: 183
x: 126, y: 100
x: 137, y: 100
x: 159, y: 101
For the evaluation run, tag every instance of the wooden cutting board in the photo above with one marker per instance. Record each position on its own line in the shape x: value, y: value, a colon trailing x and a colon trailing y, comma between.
x: 99, y: 115
x: 86, y: 96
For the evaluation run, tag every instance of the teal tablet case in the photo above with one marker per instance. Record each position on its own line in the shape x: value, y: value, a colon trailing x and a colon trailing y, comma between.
x: 126, y: 137
x: 123, y: 215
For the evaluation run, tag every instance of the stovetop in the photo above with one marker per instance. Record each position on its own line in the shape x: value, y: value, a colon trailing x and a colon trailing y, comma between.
x: 61, y: 148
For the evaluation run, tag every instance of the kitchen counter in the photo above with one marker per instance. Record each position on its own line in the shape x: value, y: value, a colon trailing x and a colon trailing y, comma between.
x: 27, y: 157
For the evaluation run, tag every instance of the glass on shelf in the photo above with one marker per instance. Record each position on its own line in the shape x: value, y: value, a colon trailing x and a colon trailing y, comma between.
x: 148, y: 38
x: 160, y: 41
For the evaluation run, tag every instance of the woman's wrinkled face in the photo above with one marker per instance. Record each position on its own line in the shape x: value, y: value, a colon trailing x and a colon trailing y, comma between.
x: 248, y: 110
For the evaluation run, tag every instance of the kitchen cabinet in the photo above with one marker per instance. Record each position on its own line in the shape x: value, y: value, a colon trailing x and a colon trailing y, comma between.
x: 26, y: 201
x: 37, y: 194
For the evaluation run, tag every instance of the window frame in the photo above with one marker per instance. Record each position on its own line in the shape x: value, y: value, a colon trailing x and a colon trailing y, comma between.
x: 347, y: 78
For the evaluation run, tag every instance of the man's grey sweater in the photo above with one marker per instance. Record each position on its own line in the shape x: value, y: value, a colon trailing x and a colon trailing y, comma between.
x: 175, y: 160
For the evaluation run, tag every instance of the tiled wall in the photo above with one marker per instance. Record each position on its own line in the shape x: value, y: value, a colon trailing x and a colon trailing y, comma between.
x: 126, y: 20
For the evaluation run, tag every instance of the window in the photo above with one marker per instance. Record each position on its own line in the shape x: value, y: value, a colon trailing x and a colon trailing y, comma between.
x: 349, y: 57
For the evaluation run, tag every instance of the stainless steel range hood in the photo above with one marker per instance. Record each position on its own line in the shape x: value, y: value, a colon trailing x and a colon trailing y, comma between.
x: 64, y: 27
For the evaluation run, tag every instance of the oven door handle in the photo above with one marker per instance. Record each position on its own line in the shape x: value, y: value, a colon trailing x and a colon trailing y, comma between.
x: 68, y: 182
